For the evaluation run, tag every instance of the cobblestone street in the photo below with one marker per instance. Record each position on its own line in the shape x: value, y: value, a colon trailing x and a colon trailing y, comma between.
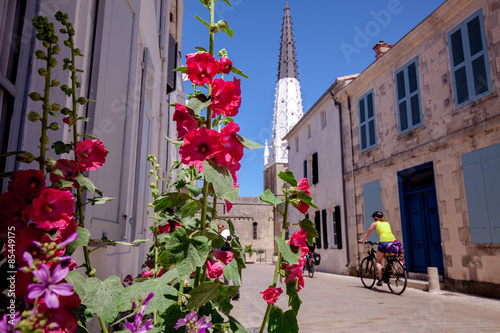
x: 335, y: 303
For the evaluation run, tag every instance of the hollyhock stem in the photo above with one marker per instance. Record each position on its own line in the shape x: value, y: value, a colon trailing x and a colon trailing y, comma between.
x: 278, y: 262
x: 45, y: 115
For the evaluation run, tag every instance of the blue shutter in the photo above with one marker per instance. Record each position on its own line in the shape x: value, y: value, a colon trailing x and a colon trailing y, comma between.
x: 337, y: 228
x: 408, y: 96
x: 317, y: 223
x: 305, y: 169
x: 372, y: 201
x: 367, y: 128
x: 469, y: 60
x: 315, y: 173
x: 325, y: 230
x: 481, y: 169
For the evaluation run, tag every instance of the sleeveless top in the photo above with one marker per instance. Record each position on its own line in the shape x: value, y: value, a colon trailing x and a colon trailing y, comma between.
x: 384, y: 231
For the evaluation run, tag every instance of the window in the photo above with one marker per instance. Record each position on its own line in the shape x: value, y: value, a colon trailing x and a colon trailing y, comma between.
x: 315, y: 172
x: 408, y: 96
x: 367, y: 121
x: 482, y: 192
x: 296, y: 144
x: 255, y: 224
x: 323, y: 119
x: 317, y: 223
x: 373, y: 201
x: 469, y: 60
x: 308, y: 131
x: 172, y: 63
x: 325, y: 224
x: 337, y: 228
x: 305, y: 169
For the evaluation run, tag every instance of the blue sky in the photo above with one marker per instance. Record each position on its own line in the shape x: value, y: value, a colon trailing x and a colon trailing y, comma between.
x: 332, y: 39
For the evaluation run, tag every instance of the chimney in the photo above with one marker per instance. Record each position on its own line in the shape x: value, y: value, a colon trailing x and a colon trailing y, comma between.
x: 381, y: 48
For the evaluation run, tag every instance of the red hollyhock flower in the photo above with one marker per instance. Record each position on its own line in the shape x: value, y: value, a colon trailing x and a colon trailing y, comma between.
x: 65, y: 232
x: 185, y: 122
x: 12, y: 206
x: 224, y: 256
x: 199, y: 145
x: 53, y: 209
x: 233, y: 149
x: 28, y: 183
x: 63, y: 315
x: 299, y: 239
x: 304, y: 186
x: 270, y: 295
x: 68, y: 169
x: 24, y: 243
x: 226, y: 97
x: 225, y: 65
x: 91, y: 154
x: 201, y: 67
x: 214, y: 269
x: 295, y: 272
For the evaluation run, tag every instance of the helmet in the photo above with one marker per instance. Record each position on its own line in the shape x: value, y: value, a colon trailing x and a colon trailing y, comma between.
x: 378, y: 214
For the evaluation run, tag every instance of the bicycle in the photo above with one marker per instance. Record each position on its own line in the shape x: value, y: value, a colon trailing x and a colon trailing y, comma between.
x: 309, y: 265
x: 394, y: 271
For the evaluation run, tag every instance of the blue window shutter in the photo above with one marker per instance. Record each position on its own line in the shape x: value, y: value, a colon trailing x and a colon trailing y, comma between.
x: 305, y: 169
x: 367, y: 127
x: 469, y: 60
x: 408, y: 96
x: 315, y: 171
x: 325, y: 228
x: 481, y: 170
x: 337, y: 228
x: 317, y: 223
x: 372, y: 201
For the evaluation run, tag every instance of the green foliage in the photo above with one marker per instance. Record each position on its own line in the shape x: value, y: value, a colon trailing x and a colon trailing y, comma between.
x: 310, y: 228
x: 288, y: 177
x: 280, y: 322
x: 269, y: 198
x: 83, y: 240
x: 286, y: 251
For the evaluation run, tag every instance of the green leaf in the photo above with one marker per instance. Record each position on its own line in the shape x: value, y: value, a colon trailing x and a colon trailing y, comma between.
x: 236, y: 327
x: 91, y: 137
x: 177, y: 143
x: 248, y: 144
x: 238, y: 72
x: 85, y: 182
x: 293, y: 297
x: 184, y: 252
x: 219, y: 176
x: 210, y: 291
x: 286, y: 251
x: 190, y: 208
x: 306, y: 198
x: 61, y: 147
x: 198, y: 103
x: 83, y: 240
x: 228, y: 31
x: 270, y: 198
x: 100, y: 297
x: 172, y: 199
x: 99, y: 200
x: 227, y: 1
x: 159, y: 287
x: 288, y: 177
x: 310, y: 228
x: 231, y: 272
x: 203, y: 21
x: 199, y: 48
x: 280, y: 322
x: 182, y: 69
x: 195, y: 190
x: 231, y: 195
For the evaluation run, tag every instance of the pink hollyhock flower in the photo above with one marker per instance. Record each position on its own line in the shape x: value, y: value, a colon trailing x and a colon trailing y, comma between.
x: 299, y: 239
x: 225, y: 65
x: 304, y: 186
x: 214, y: 269
x: 12, y: 206
x: 201, y: 67
x: 49, y: 286
x: 163, y: 229
x: 68, y: 169
x: 64, y: 233
x: 147, y: 274
x: 229, y: 205
x: 294, y: 272
x: 28, y: 183
x: 224, y: 256
x: 233, y: 149
x: 193, y: 325
x: 226, y: 97
x: 271, y: 295
x: 199, y: 145
x: 53, y: 209
x: 91, y: 154
x: 9, y: 322
x: 185, y: 122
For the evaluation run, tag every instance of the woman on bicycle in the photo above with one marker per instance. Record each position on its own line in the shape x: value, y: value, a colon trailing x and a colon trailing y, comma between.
x: 386, y: 236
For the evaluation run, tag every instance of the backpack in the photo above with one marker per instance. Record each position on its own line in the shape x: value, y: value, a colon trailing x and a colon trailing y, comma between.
x: 394, y: 247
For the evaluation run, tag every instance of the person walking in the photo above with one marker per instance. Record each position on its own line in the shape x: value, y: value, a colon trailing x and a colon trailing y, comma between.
x: 386, y: 237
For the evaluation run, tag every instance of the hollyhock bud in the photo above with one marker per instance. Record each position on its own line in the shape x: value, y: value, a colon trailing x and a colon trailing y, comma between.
x: 271, y: 295
x: 25, y: 157
x: 35, y: 96
x: 225, y: 65
x: 33, y: 116
x: 54, y: 126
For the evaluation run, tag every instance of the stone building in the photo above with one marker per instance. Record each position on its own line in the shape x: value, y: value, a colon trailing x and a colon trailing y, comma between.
x: 421, y: 142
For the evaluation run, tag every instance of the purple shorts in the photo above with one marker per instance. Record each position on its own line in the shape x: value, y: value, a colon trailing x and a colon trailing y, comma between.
x: 382, y: 246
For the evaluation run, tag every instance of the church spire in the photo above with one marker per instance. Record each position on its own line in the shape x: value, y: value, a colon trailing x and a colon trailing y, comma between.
x: 287, y: 66
x: 288, y: 100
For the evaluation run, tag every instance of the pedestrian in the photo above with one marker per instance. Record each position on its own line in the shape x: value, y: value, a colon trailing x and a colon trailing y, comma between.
x: 226, y: 234
x: 386, y: 238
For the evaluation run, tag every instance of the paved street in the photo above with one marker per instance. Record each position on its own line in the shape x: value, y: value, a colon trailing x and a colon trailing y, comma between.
x: 335, y: 303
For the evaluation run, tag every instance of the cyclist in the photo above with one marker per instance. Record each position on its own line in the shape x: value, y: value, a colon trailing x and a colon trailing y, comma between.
x: 386, y: 236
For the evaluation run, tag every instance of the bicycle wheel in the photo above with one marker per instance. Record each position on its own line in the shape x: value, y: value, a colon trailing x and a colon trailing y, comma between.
x: 367, y: 272
x: 397, y: 278
x: 310, y: 270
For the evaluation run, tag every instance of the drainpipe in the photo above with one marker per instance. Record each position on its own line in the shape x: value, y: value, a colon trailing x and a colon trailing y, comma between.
x: 339, y: 106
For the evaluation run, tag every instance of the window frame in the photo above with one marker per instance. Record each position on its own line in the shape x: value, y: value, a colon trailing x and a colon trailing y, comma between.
x: 323, y: 120
x: 408, y: 95
x: 366, y: 122
x: 468, y: 60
